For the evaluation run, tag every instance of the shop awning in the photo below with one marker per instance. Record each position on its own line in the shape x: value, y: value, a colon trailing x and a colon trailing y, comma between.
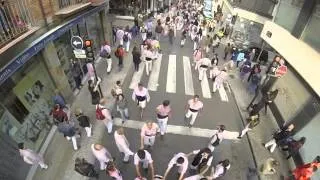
x: 304, y: 59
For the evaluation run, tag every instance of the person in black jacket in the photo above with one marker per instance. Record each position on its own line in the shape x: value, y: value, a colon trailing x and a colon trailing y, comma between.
x: 279, y: 137
x: 69, y: 131
x: 136, y: 56
x: 84, y: 121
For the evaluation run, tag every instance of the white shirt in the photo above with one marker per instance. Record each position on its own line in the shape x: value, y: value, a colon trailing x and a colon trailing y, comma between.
x: 102, y: 154
x: 147, y: 158
x: 184, y: 165
x: 30, y: 156
x: 218, y: 171
x: 195, y: 105
x: 205, y: 61
x: 145, y: 131
x: 144, y: 92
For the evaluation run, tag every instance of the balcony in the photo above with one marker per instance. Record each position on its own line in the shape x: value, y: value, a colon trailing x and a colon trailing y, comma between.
x: 260, y: 7
x: 16, y: 23
x: 70, y: 7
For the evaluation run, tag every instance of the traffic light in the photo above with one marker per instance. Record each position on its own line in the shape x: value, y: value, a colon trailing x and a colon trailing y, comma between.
x: 88, y: 45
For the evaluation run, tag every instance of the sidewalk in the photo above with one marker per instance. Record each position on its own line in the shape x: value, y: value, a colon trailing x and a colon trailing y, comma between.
x: 60, y: 155
x: 263, y: 132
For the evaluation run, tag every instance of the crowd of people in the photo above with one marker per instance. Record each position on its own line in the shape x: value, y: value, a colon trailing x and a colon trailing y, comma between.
x: 187, y: 18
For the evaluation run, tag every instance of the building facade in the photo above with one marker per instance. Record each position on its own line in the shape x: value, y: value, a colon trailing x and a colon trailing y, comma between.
x: 36, y: 60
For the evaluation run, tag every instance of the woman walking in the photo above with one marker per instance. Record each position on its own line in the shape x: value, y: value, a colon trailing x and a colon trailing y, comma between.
x: 122, y: 107
x: 136, y: 56
x: 122, y: 144
x: 93, y: 89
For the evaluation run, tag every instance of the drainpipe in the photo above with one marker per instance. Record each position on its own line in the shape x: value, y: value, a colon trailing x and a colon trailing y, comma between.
x: 43, y: 14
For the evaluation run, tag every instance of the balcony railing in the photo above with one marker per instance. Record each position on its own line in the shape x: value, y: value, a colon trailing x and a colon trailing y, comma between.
x: 15, y: 20
x: 261, y: 7
x: 69, y: 7
x: 67, y: 3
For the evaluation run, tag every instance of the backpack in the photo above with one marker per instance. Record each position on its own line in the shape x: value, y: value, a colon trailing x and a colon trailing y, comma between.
x: 84, y: 168
x: 99, y: 114
x: 104, y: 53
x: 125, y: 38
x: 246, y: 68
x: 119, y: 52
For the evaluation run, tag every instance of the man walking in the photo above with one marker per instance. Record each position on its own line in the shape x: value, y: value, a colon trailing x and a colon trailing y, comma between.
x: 193, y: 107
x: 181, y: 161
x: 103, y: 114
x: 202, y: 160
x: 144, y: 157
x: 141, y: 96
x: 122, y: 144
x: 219, y: 80
x: 31, y: 157
x: 119, y: 53
x: 126, y: 39
x: 69, y: 131
x: 101, y: 154
x: 203, y: 66
x: 216, y: 138
x: 163, y: 112
x: 148, y: 134
x: 105, y: 53
x: 279, y: 137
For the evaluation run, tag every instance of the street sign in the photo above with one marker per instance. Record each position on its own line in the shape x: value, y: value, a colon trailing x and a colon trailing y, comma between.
x: 76, y: 42
x: 79, y: 53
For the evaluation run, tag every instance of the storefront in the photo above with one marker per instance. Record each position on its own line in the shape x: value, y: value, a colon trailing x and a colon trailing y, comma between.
x: 28, y: 83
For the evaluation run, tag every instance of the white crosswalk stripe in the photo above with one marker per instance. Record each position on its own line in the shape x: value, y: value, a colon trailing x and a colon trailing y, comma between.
x: 171, y: 75
x: 205, y: 87
x: 188, y: 82
x: 154, y: 76
x: 171, y: 78
x: 137, y: 76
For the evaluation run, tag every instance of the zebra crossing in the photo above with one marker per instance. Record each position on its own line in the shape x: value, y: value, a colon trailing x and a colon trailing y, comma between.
x: 171, y: 77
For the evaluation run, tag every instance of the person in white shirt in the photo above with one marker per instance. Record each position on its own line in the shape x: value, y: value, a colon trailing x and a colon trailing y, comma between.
x: 202, y: 160
x: 204, y: 65
x: 149, y: 57
x: 180, y: 160
x: 148, y: 134
x: 141, y: 96
x: 120, y: 34
x: 144, y: 157
x: 220, y: 169
x: 105, y: 53
x: 193, y: 107
x: 122, y: 144
x: 216, y: 138
x: 108, y: 122
x: 126, y: 39
x: 101, y: 154
x: 219, y: 80
x: 31, y: 157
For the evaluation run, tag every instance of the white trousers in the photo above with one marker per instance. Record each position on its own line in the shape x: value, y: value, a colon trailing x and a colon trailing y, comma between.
x: 163, y: 125
x: 202, y: 72
x: 271, y: 143
x: 109, y: 64
x: 74, y: 142
x: 195, y: 45
x: 197, y: 65
x: 127, y: 155
x: 108, y: 124
x: 211, y: 147
x: 144, y: 36
x: 142, y: 104
x: 43, y: 165
x: 148, y: 66
x: 121, y: 41
x: 127, y: 46
x: 207, y: 49
x: 149, y: 140
x: 215, y: 86
x: 88, y: 130
x: 193, y: 116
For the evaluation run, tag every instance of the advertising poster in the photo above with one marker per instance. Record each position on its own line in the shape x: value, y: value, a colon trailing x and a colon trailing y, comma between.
x: 207, y: 9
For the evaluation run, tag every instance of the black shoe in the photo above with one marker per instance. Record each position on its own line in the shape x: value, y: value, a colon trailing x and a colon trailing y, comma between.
x: 239, y: 137
x: 161, y: 137
x: 190, y: 126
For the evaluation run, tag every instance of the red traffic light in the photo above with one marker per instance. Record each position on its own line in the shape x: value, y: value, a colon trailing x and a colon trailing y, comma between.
x: 87, y: 43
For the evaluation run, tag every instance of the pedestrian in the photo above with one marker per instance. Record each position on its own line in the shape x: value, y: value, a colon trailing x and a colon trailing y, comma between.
x: 119, y: 35
x: 267, y: 98
x: 220, y: 169
x: 141, y: 96
x: 148, y: 134
x: 117, y: 89
x: 181, y: 161
x: 149, y: 56
x: 136, y: 57
x: 114, y: 35
x: 103, y: 114
x: 158, y: 30
x: 219, y: 80
x: 85, y: 168
x: 304, y: 172
x: 126, y: 39
x: 196, y: 42
x: 202, y: 160
x: 58, y: 114
x: 215, y: 60
x: 122, y: 107
x: 193, y: 107
x: 105, y: 54
x: 269, y: 167
x: 294, y: 146
x: 197, y: 55
x: 112, y: 171
x: 144, y: 157
x: 84, y: 121
x: 31, y: 157
x: 199, y: 33
x: 207, y: 43
x: 119, y: 53
x: 69, y: 131
x: 143, y: 32
x: 58, y: 99
x: 122, y: 144
x: 76, y: 73
x: 280, y: 136
x: 245, y: 69
x: 183, y: 37
x: 227, y: 51
x: 171, y: 35
x: 163, y: 113
x: 255, y: 82
x: 255, y: 68
x: 93, y: 86
x: 101, y: 154
x: 216, y: 138
x: 204, y: 64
